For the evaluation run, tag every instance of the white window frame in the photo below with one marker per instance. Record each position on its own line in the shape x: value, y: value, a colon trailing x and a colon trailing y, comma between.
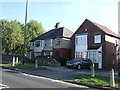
x: 58, y: 41
x: 90, y: 55
x: 81, y: 40
x: 32, y: 44
x: 48, y: 42
x: 36, y: 42
x: 97, y: 38
x: 81, y: 54
x: 76, y: 40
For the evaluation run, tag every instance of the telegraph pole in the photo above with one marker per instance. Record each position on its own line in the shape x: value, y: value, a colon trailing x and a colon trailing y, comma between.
x: 24, y: 54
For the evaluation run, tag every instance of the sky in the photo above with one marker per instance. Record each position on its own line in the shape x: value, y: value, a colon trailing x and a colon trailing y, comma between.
x: 71, y: 14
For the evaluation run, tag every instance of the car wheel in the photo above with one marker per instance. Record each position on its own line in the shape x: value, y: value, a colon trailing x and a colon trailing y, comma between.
x: 79, y: 66
x: 68, y: 66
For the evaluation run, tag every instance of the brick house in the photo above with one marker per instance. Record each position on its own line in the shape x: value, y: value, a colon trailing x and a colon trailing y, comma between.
x: 55, y: 42
x: 96, y: 42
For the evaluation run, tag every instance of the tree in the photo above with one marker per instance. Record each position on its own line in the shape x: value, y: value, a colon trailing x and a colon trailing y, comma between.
x: 13, y: 35
x: 34, y: 29
x: 12, y: 38
x: 16, y: 37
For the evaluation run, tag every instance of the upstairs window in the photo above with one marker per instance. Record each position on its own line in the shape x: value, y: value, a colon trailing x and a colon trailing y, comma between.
x: 76, y: 40
x: 58, y: 41
x: 48, y: 42
x: 37, y: 43
x: 32, y: 43
x: 97, y: 39
x: 81, y: 40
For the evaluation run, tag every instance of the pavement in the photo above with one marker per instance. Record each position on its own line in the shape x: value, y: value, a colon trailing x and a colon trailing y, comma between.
x: 64, y: 73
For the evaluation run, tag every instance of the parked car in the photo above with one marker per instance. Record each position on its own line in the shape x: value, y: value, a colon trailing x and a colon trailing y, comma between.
x: 79, y: 63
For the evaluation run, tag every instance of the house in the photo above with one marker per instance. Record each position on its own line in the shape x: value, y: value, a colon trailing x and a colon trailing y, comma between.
x: 96, y: 42
x: 55, y: 42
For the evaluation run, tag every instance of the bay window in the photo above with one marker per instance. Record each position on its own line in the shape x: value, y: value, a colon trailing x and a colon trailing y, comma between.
x: 92, y: 55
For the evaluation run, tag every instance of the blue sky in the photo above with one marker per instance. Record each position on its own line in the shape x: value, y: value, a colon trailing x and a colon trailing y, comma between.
x: 70, y: 14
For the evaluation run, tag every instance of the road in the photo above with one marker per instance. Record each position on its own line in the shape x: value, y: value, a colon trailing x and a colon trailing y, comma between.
x: 14, y: 79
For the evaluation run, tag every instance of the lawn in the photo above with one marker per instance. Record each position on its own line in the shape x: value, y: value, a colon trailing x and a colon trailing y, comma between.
x: 97, y: 80
x: 24, y: 67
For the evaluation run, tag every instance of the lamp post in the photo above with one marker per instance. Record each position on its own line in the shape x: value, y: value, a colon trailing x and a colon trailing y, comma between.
x: 24, y: 54
x: 112, y: 79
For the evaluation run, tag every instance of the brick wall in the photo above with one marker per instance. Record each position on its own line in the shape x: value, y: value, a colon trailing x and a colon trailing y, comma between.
x: 47, y: 61
x: 64, y: 52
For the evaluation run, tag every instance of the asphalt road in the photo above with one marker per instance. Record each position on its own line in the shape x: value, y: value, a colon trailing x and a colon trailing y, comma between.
x: 14, y: 79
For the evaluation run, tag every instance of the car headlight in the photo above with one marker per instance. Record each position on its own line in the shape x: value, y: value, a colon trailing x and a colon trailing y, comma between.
x: 67, y: 62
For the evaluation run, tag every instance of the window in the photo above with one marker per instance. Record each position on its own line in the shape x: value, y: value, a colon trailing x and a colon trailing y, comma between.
x: 97, y: 39
x: 37, y: 53
x: 92, y: 55
x: 76, y: 40
x: 47, y: 42
x: 37, y: 43
x: 58, y: 41
x: 84, y: 55
x: 47, y: 53
x: 32, y: 43
x: 81, y: 40
x: 80, y: 54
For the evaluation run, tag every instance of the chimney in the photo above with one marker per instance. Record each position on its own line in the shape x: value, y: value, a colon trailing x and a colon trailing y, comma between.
x: 57, y: 25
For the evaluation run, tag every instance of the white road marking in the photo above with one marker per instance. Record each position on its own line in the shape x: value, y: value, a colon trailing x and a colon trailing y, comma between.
x: 69, y: 70
x: 53, y: 80
x: 3, y: 86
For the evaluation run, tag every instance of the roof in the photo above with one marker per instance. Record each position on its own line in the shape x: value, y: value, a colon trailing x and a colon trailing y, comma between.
x: 94, y: 47
x: 103, y: 28
x: 55, y: 33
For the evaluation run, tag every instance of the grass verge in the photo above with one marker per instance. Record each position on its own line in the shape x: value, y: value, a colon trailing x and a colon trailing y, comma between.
x: 24, y: 67
x: 97, y: 80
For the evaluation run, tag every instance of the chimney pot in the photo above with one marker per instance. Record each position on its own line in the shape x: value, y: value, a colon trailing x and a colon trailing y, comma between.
x: 57, y: 25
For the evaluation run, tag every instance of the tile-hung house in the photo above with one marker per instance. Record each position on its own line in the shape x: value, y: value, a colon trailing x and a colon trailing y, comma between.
x: 55, y: 42
x: 96, y: 42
